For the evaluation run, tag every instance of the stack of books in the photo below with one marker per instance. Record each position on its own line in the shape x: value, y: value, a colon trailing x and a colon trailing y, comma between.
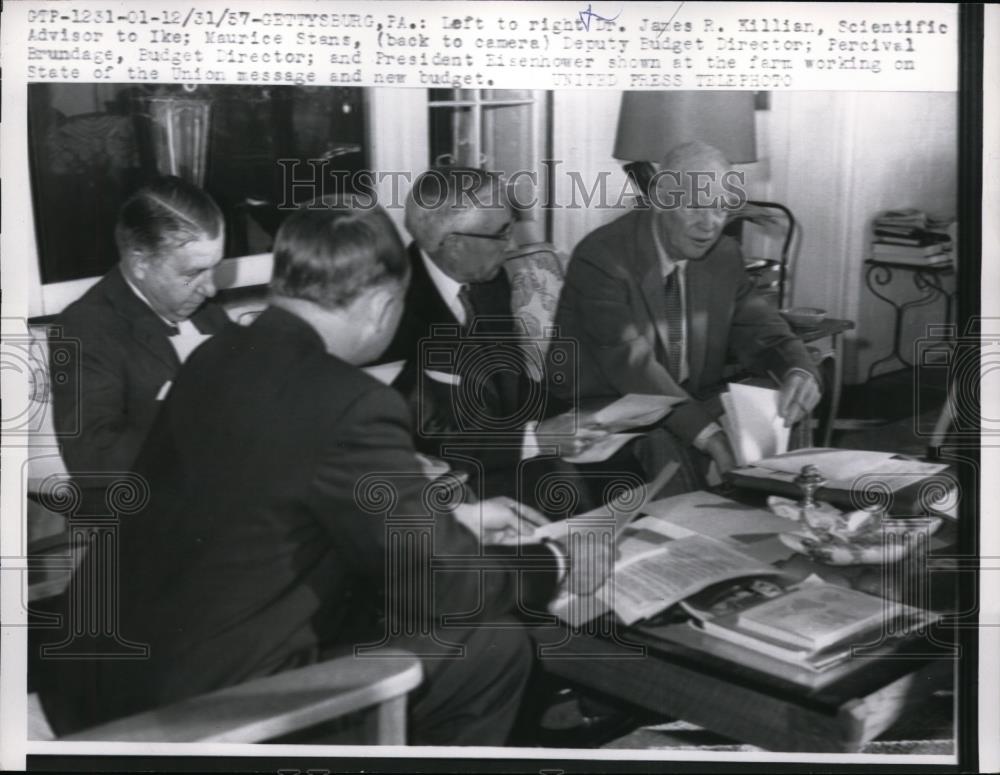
x: 912, y: 237
x: 813, y: 626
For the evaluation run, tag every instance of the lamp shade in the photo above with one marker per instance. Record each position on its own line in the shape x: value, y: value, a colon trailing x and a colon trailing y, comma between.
x: 650, y: 123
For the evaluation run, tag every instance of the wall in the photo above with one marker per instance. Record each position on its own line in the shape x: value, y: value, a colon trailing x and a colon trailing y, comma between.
x: 837, y: 158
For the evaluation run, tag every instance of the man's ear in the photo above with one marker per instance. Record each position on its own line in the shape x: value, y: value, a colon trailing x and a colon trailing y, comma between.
x: 139, y: 262
x: 382, y: 301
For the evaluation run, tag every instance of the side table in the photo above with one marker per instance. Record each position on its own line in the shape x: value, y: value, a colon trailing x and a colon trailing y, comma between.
x: 927, y: 279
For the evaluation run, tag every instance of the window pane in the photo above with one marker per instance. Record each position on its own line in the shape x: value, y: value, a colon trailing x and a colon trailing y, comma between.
x: 91, y: 147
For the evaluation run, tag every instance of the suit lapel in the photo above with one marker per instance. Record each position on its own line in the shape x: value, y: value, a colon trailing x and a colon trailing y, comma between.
x: 423, y: 298
x: 147, y: 328
x: 651, y: 277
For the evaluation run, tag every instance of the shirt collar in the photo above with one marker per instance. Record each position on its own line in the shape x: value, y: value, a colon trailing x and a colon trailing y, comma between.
x: 145, y: 301
x: 667, y: 264
x: 446, y: 285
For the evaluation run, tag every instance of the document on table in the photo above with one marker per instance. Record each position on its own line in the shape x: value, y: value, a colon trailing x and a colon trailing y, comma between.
x: 843, y: 467
x: 622, y: 508
x: 752, y: 423
x: 753, y: 530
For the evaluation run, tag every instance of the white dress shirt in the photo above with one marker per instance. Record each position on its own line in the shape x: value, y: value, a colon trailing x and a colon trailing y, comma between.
x: 448, y: 287
x: 184, y: 327
x: 668, y: 265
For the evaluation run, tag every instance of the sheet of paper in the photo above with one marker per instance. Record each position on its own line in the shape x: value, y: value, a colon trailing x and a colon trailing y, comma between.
x: 753, y: 531
x: 633, y: 411
x: 603, y: 448
x: 832, y: 463
x: 621, y: 509
x: 716, y: 516
x: 385, y: 373
x: 844, y: 467
x: 755, y: 428
x: 185, y: 344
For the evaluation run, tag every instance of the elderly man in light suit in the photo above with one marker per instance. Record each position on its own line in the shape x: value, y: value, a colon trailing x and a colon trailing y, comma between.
x: 660, y: 303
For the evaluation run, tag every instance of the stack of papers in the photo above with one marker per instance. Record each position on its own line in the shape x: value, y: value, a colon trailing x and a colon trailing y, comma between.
x: 843, y: 468
x: 752, y: 423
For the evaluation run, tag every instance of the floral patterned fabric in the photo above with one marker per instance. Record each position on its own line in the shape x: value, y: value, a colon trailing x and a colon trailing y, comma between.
x: 536, y: 277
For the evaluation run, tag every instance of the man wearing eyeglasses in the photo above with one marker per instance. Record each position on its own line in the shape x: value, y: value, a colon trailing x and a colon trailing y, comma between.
x: 465, y: 373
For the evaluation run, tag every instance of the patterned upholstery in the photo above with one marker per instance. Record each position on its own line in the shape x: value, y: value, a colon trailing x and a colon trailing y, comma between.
x: 536, y: 278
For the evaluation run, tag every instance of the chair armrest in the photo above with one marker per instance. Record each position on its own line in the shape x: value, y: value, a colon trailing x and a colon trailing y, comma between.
x: 273, y: 706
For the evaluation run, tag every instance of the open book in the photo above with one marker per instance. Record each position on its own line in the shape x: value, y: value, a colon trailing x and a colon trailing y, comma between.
x: 657, y: 565
x: 813, y: 626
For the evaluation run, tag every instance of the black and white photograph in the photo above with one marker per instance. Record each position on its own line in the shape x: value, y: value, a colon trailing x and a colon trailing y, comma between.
x: 620, y: 426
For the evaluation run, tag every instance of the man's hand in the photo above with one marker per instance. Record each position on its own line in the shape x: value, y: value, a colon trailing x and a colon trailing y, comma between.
x: 500, y: 520
x: 717, y: 447
x: 572, y: 438
x: 798, y: 397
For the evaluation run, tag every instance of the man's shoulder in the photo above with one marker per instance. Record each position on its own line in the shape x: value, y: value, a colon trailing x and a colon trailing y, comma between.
x: 607, y: 250
x: 95, y: 311
x: 725, y: 254
x: 611, y: 234
x: 314, y: 376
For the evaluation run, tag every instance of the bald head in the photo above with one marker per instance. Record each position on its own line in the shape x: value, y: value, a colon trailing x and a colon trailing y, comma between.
x: 691, y: 194
x: 695, y: 155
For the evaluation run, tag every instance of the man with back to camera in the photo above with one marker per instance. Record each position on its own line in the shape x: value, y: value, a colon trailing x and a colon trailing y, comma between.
x: 659, y: 303
x: 256, y: 552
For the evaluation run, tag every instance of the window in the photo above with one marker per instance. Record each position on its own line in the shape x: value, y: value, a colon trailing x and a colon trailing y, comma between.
x: 504, y: 130
x: 92, y: 145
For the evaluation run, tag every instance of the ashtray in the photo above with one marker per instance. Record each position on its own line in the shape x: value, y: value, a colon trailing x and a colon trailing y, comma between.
x: 803, y: 317
x: 853, y: 537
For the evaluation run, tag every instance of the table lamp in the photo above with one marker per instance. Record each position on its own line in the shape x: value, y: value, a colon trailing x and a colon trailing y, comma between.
x: 650, y: 123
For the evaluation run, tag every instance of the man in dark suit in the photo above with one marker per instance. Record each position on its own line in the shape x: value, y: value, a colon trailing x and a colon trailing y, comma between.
x: 467, y: 373
x: 283, y: 486
x: 659, y: 303
x: 131, y: 325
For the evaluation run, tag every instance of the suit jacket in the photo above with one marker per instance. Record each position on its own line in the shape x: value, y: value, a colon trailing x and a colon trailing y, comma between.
x: 261, y: 541
x: 124, y: 360
x: 613, y: 303
x: 495, y: 397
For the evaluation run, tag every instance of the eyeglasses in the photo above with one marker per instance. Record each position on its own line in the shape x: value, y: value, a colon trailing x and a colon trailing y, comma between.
x: 501, y: 236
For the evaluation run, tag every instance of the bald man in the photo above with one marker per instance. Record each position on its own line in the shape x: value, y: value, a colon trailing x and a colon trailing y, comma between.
x: 659, y: 302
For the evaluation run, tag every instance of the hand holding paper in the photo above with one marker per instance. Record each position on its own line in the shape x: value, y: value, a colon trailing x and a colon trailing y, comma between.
x: 799, y: 395
x: 754, y: 423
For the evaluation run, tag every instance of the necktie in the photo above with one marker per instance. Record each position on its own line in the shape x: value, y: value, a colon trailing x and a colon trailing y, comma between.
x: 465, y: 299
x: 675, y: 329
x: 173, y: 331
